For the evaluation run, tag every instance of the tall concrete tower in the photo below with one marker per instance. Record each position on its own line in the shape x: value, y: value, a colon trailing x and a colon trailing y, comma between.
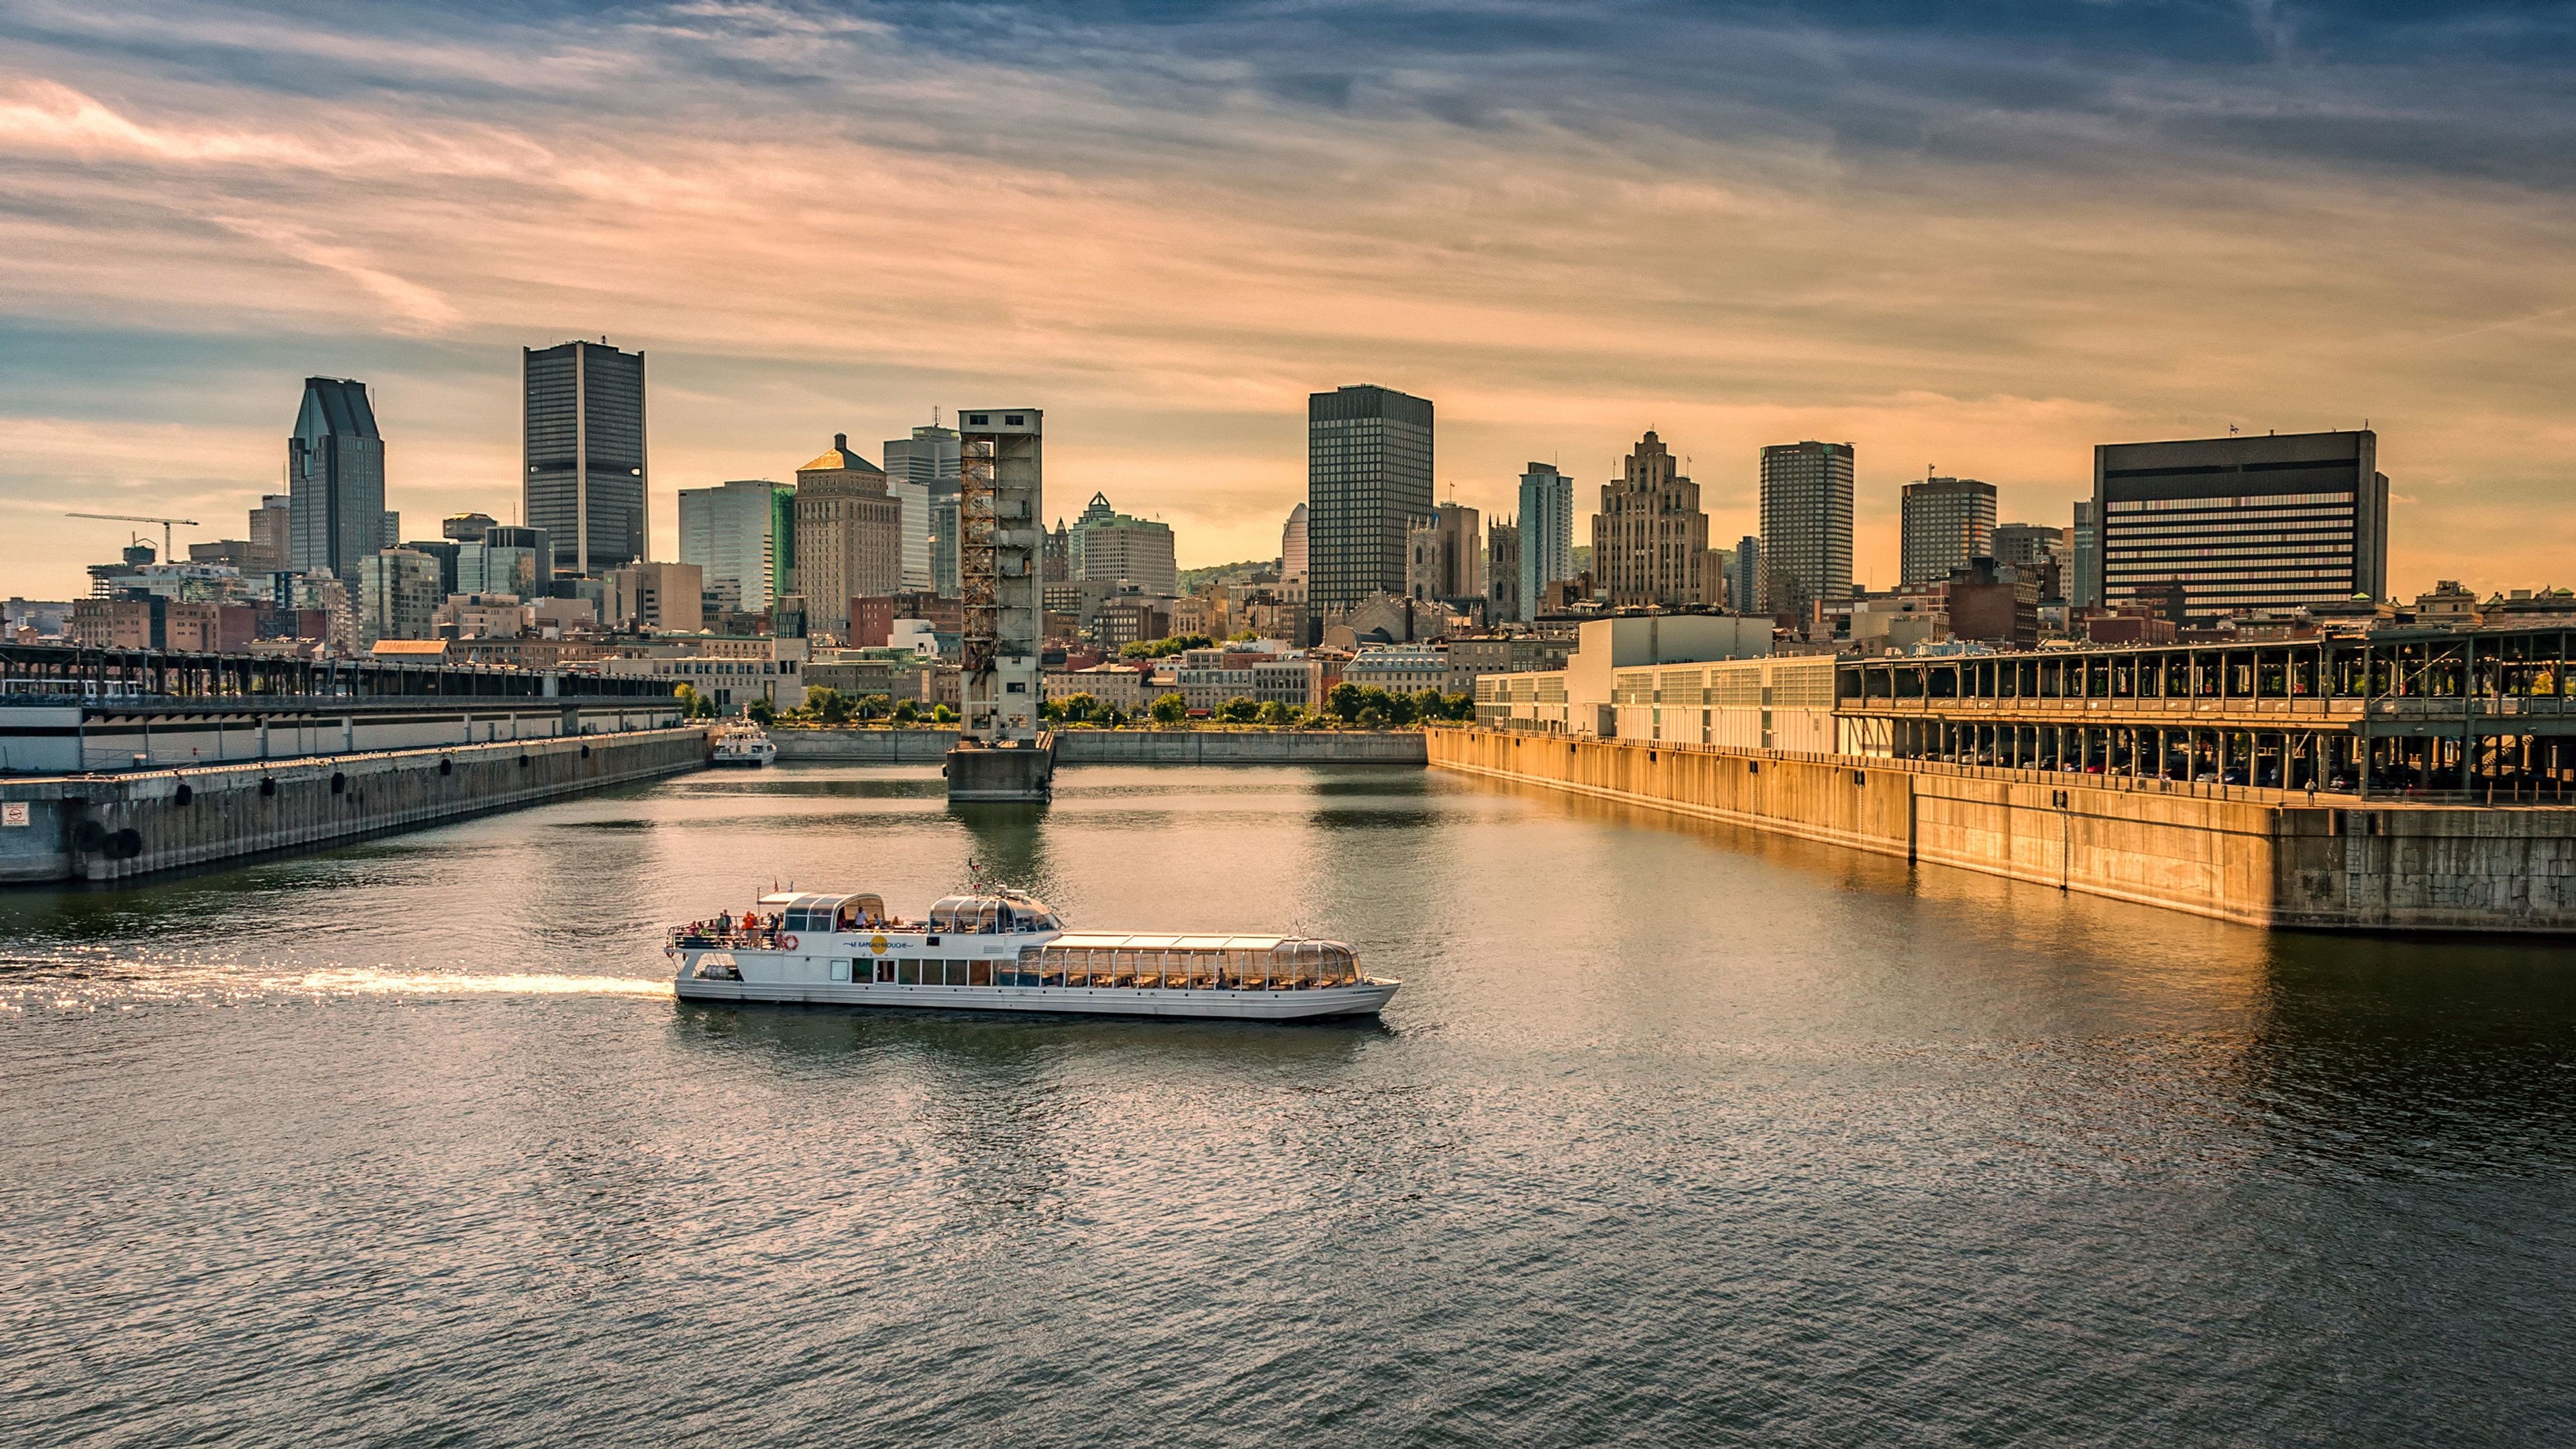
x: 1000, y: 546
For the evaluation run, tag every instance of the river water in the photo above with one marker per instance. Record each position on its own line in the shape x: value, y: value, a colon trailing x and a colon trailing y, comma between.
x: 1675, y: 1135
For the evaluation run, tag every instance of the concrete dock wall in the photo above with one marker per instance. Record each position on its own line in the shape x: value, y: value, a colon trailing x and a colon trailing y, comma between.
x: 1122, y: 747
x: 2267, y: 863
x: 1859, y: 806
x: 111, y: 827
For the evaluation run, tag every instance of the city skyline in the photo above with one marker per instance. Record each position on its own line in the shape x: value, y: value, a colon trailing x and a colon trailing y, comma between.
x: 183, y: 266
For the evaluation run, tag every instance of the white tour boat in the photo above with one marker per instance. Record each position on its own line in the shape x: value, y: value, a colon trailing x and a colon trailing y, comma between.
x: 744, y: 746
x: 1001, y: 950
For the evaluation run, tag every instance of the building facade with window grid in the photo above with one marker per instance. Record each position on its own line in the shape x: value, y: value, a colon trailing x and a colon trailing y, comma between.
x: 1944, y: 522
x: 1546, y: 524
x: 584, y: 471
x: 1368, y: 481
x: 1806, y: 525
x: 2271, y: 522
x: 1650, y: 539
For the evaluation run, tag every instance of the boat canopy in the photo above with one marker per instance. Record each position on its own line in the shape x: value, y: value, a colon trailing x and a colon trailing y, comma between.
x: 1248, y: 962
x: 827, y: 913
x: 987, y: 914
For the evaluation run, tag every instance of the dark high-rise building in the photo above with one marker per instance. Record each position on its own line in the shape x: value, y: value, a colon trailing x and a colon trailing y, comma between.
x: 2277, y: 521
x: 1944, y: 522
x: 1368, y: 481
x: 584, y: 454
x: 1806, y: 525
x: 335, y: 479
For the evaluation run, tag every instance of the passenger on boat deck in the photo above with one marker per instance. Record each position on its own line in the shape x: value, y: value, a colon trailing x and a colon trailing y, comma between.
x: 724, y: 923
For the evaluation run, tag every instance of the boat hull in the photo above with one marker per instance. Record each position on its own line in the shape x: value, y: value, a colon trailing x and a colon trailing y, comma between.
x: 1313, y: 1003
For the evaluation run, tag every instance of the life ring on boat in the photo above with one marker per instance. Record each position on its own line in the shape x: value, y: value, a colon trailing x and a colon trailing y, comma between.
x: 787, y: 943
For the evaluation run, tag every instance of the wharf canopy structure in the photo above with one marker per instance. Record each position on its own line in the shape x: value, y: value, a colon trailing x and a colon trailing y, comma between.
x: 2481, y: 714
x: 2273, y: 522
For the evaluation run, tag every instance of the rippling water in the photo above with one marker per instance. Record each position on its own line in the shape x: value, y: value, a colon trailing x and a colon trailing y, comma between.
x: 1675, y: 1135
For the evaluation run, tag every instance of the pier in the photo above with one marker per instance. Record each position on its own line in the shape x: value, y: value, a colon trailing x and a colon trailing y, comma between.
x: 117, y: 763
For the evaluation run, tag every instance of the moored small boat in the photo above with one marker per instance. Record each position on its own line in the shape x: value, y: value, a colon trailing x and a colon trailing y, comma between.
x: 743, y: 746
x: 1003, y: 950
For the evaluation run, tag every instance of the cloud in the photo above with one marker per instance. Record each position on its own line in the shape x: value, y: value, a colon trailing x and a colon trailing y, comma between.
x: 1989, y: 242
x: 409, y: 302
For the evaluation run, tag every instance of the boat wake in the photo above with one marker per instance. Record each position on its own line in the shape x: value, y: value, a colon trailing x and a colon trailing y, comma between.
x: 123, y: 985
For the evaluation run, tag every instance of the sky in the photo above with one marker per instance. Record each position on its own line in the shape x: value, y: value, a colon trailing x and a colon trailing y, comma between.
x: 1971, y: 239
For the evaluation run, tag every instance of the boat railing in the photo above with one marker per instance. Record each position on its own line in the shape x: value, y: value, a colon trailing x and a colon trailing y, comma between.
x: 708, y: 938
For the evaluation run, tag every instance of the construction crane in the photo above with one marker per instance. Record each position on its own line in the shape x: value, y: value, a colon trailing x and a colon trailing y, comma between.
x: 139, y: 518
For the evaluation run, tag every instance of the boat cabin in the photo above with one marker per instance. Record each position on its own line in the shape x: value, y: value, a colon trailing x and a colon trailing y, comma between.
x: 991, y: 914
x: 827, y: 913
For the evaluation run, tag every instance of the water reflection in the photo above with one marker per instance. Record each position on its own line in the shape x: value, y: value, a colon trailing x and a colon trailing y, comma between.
x: 1009, y: 841
x: 1677, y: 1133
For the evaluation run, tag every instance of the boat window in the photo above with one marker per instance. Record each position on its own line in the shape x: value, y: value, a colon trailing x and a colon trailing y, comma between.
x: 988, y: 917
x: 1051, y: 967
x: 841, y: 968
x: 943, y: 916
x: 885, y: 969
x: 979, y: 973
x: 907, y: 972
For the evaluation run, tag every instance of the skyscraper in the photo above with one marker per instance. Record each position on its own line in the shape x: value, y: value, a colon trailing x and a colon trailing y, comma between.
x: 1945, y: 522
x: 1110, y: 547
x: 1650, y: 539
x: 1368, y: 481
x: 2086, y: 591
x: 1806, y: 525
x: 728, y: 532
x: 1745, y: 588
x: 1547, y: 533
x: 849, y: 535
x: 583, y: 454
x: 335, y: 479
x: 928, y: 459
x: 1292, y: 545
x: 2243, y: 522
